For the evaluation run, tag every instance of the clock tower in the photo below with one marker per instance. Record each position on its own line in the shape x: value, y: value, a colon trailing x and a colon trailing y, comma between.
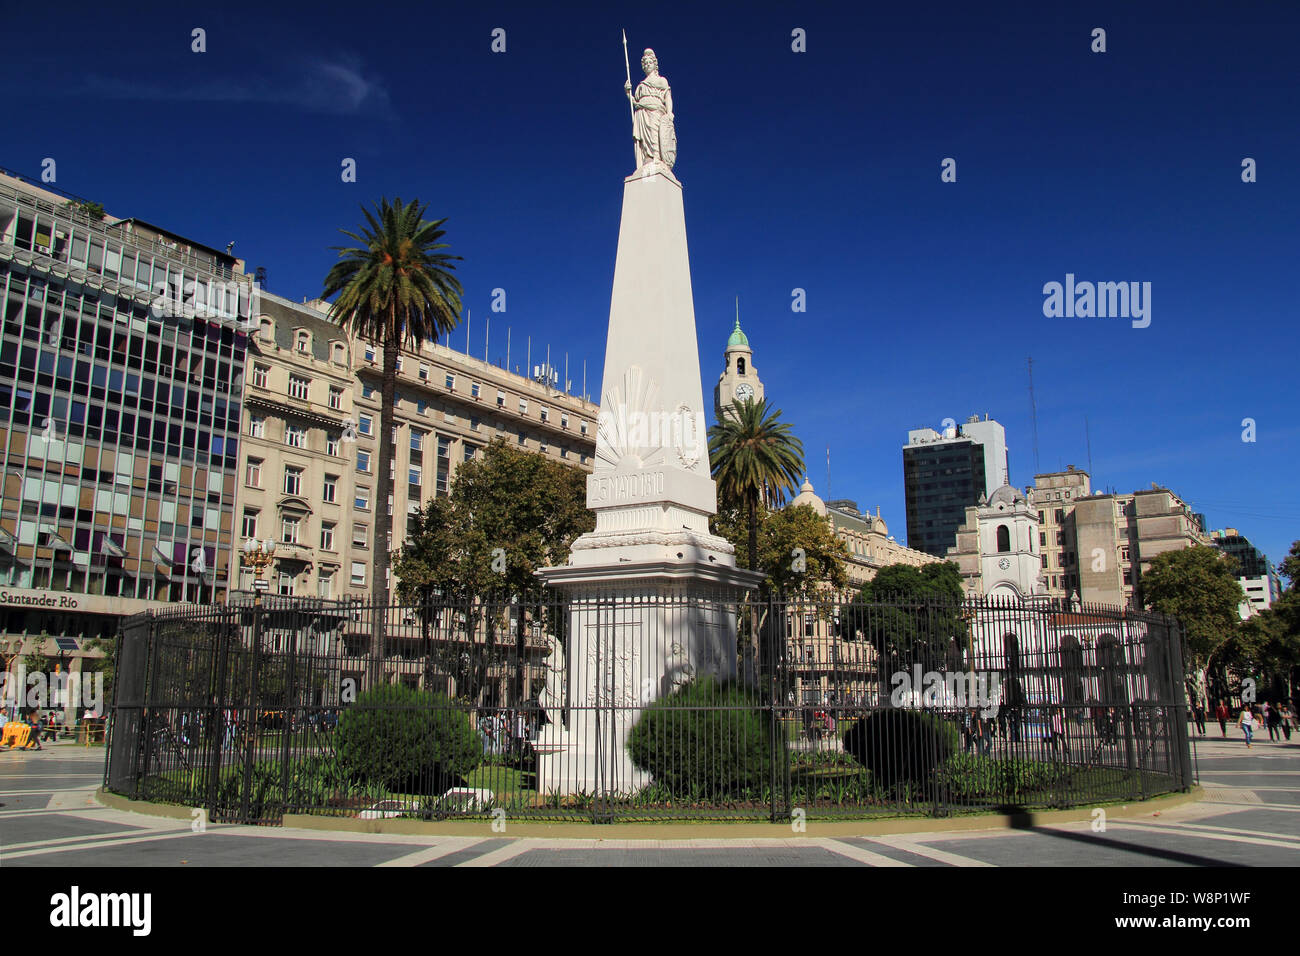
x: 739, y: 379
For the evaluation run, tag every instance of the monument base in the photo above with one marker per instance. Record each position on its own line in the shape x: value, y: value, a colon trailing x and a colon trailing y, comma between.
x: 635, y: 632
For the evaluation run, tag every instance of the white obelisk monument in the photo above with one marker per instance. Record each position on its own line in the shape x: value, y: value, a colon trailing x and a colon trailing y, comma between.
x: 651, y: 593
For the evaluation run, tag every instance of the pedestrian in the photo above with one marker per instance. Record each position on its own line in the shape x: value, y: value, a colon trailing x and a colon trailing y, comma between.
x: 1273, y: 718
x: 34, y: 737
x: 1198, y: 714
x: 1057, y: 734
x: 1221, y: 715
x: 1246, y: 721
x: 1286, y: 720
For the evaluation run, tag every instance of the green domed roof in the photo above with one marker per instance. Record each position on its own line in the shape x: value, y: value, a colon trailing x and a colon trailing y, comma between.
x: 738, y: 337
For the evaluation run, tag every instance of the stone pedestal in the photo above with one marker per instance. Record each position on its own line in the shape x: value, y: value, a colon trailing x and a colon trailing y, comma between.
x: 652, y: 594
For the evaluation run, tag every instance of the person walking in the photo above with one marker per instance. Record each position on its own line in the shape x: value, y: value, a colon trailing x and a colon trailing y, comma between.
x: 1246, y: 721
x: 1198, y: 714
x: 1221, y: 715
x: 1057, y: 731
x: 34, y: 738
x: 1273, y: 718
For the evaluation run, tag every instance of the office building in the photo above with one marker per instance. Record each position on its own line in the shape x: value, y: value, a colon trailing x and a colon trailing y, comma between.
x: 945, y: 473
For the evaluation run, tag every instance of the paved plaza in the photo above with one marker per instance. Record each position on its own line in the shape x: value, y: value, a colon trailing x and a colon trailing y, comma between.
x: 1249, y: 815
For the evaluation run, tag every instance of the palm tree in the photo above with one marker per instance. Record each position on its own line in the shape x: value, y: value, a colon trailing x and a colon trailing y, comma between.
x: 396, y: 287
x: 753, y: 453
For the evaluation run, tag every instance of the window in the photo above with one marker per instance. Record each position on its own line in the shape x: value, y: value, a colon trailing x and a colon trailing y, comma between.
x: 564, y: 453
x: 451, y: 381
x: 298, y: 387
x: 361, y: 536
x: 1123, y: 554
x: 333, y: 443
x: 340, y: 355
x: 584, y: 428
x: 365, y: 425
x: 253, y: 473
x: 358, y: 573
x: 325, y: 583
x: 362, y: 499
x: 1042, y: 537
x: 521, y: 438
x: 523, y: 406
x: 1004, y: 538
x: 249, y: 527
x: 1044, y: 560
x: 286, y: 583
x: 331, y: 488
x: 292, y: 480
x: 448, y: 416
x: 422, y: 406
x: 474, y: 389
x: 444, y: 447
x: 370, y: 353
x: 336, y: 397
x: 564, y: 419
x: 545, y: 413
x: 363, y: 460
x: 417, y: 440
x: 414, y: 474
x: 327, y: 537
x: 542, y: 446
x: 259, y: 375
x: 1059, y: 517
x: 367, y: 389
x: 304, y: 342
x: 1041, y: 519
x: 501, y: 399
x: 295, y: 437
x: 289, y: 533
x: 257, y: 427
x: 399, y: 363
x: 424, y: 372
x: 473, y: 424
x: 469, y: 452
x: 1060, y: 538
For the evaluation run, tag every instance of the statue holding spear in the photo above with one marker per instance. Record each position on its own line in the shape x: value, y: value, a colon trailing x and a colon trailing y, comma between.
x: 652, y: 113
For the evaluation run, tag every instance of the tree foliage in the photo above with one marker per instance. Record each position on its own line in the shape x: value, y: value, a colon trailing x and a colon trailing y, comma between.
x: 754, y: 454
x: 396, y: 287
x: 1199, y: 587
x: 913, y: 614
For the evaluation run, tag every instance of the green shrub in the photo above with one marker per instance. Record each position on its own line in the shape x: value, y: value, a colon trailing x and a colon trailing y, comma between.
x: 971, y: 777
x: 901, y: 746
x: 407, y: 740
x: 706, y: 741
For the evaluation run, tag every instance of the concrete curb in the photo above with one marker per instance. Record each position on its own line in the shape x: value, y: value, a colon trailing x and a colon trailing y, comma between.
x: 704, y: 830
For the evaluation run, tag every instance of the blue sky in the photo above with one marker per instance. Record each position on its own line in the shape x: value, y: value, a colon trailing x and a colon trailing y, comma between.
x: 816, y: 170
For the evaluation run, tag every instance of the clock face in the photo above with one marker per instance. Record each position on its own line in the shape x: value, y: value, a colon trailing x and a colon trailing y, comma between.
x: 1004, y: 563
x: 744, y: 393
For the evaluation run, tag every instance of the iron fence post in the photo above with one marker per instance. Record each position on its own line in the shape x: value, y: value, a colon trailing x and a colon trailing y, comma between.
x: 250, y: 724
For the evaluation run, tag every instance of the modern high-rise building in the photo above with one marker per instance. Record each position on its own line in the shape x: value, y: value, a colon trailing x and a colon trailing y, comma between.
x: 121, y: 368
x: 944, y: 473
x: 1258, y: 577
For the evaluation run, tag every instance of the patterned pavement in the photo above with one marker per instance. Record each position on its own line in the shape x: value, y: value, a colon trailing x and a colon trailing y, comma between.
x: 1249, y: 816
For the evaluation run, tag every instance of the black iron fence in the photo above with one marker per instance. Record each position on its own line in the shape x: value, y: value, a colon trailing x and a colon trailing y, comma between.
x: 663, y: 704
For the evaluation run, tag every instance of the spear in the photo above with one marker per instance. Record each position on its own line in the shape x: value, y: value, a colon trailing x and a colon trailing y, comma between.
x: 631, y: 108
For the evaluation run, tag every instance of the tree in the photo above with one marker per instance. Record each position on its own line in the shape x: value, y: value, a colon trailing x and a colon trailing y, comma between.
x: 913, y: 614
x: 92, y: 209
x: 800, y: 552
x: 508, y: 515
x: 1291, y: 566
x: 753, y: 452
x: 395, y: 288
x: 1199, y: 587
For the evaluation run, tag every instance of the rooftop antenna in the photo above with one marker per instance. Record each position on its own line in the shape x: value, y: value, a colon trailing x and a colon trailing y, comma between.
x: 828, y: 472
x: 1033, y: 413
x: 469, y: 320
x: 1087, y: 435
x: 486, y: 335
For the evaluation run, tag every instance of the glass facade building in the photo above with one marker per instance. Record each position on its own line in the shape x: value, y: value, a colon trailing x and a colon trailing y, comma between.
x: 121, y: 374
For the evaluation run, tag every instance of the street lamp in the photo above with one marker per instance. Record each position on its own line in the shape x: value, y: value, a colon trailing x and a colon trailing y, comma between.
x: 257, y: 555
